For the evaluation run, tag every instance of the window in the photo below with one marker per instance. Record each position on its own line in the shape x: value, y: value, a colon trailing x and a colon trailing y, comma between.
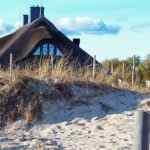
x: 47, y: 49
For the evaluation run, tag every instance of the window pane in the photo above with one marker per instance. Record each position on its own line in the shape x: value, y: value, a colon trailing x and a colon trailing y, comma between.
x: 48, y: 49
x: 37, y: 52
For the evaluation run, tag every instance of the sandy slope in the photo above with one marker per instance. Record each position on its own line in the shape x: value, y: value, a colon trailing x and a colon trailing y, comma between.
x: 104, y: 122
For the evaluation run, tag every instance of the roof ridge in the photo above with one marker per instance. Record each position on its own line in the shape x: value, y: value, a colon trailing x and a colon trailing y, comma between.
x: 17, y: 43
x: 13, y: 39
x: 20, y: 31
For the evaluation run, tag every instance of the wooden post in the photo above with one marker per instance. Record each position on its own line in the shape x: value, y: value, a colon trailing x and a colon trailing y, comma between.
x: 133, y: 70
x: 112, y: 68
x: 123, y: 70
x: 10, y: 66
x: 143, y: 124
x: 52, y: 61
x: 147, y: 82
x: 94, y: 66
x: 48, y: 49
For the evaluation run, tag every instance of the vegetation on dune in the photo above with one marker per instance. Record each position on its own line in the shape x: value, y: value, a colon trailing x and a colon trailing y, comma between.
x: 123, y: 69
x: 21, y: 95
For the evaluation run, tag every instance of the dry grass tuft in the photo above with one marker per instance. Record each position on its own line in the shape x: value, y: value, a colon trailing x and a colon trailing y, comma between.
x: 64, y: 90
x: 23, y: 97
x: 20, y: 101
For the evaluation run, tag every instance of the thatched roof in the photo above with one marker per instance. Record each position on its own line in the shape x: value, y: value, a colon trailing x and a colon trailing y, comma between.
x: 23, y: 41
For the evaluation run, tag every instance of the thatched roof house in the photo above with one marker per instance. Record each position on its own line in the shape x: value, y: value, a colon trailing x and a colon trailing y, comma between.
x: 34, y: 36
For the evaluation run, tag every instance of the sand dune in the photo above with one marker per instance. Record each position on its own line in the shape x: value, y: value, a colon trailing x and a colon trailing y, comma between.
x: 101, y: 122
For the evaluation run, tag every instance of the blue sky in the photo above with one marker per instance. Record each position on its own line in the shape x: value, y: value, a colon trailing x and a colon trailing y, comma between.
x: 114, y: 28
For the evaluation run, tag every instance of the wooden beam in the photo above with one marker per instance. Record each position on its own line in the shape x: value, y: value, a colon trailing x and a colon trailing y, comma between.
x: 48, y: 49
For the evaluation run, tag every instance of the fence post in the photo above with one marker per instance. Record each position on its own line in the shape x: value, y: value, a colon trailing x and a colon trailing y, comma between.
x: 10, y: 67
x: 112, y: 67
x: 123, y: 70
x: 133, y: 70
x: 143, y: 124
x: 94, y: 66
x: 52, y: 61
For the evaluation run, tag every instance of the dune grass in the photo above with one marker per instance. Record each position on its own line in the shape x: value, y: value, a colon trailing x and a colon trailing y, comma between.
x: 21, y: 94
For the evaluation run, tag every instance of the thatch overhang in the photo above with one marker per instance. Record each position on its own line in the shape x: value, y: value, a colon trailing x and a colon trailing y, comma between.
x: 22, y: 43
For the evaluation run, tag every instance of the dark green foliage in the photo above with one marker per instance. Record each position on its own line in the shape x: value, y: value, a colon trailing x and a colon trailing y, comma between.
x: 142, y: 68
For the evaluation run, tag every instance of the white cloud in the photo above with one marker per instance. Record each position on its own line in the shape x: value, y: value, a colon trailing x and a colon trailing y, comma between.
x: 17, y: 25
x: 5, y: 28
x: 140, y: 27
x: 71, y: 26
x: 85, y: 25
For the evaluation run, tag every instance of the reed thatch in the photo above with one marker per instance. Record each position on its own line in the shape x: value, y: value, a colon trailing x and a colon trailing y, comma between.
x: 22, y: 43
